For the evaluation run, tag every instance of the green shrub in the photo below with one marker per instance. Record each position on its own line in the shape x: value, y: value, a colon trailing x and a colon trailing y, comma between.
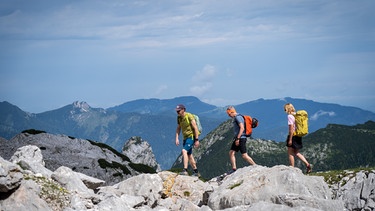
x: 114, y: 165
x: 105, y: 146
x: 33, y: 131
x: 142, y: 168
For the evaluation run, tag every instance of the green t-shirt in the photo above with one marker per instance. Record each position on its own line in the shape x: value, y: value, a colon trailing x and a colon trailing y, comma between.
x: 184, y: 122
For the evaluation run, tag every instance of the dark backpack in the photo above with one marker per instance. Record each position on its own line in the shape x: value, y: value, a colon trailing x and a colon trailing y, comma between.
x: 249, y: 124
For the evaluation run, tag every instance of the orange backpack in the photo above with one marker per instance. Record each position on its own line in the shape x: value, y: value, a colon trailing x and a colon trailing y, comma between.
x: 249, y: 124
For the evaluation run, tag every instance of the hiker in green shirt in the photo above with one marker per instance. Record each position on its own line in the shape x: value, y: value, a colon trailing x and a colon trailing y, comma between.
x: 186, y: 123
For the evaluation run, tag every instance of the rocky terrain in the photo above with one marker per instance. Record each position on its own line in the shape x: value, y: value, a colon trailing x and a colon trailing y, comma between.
x: 140, y: 151
x: 25, y: 184
x: 84, y: 156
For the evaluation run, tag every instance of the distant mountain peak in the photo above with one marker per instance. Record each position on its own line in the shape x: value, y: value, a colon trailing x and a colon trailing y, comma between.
x: 83, y: 106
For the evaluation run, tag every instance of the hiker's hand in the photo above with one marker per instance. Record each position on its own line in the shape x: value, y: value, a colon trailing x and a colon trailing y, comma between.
x: 196, y: 144
x: 289, y: 143
x: 177, y: 142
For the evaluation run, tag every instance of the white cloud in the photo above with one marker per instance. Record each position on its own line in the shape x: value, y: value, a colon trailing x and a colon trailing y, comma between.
x: 161, y: 89
x: 201, y: 89
x: 202, y: 80
x: 206, y: 74
x: 322, y: 113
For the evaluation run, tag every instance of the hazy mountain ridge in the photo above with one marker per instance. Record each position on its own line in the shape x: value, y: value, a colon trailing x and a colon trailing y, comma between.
x: 155, y: 120
x: 163, y: 107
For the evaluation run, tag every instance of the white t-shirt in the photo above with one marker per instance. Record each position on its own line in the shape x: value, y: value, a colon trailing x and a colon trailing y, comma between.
x: 291, y: 120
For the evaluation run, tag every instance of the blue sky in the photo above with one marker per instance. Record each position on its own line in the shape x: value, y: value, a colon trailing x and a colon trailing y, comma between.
x: 223, y: 52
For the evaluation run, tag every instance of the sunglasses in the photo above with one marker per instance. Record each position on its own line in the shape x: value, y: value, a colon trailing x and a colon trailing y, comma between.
x: 178, y: 111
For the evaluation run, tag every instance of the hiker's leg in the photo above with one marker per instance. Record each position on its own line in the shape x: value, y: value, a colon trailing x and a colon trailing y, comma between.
x: 232, y: 159
x: 291, y: 156
x: 192, y: 161
x: 187, y: 149
x: 246, y: 157
x: 185, y: 158
x: 243, y: 151
x: 301, y: 157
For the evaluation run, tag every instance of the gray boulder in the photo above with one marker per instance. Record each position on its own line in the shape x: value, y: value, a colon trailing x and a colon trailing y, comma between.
x: 279, y: 185
x: 140, y: 151
x: 25, y: 197
x: 87, y: 157
x: 30, y: 157
x: 356, y: 189
x: 10, y: 176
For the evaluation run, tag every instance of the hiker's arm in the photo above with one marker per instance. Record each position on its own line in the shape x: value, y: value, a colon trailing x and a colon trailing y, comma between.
x: 242, y: 128
x: 195, y: 129
x: 238, y: 136
x: 178, y: 129
x: 196, y: 133
x: 291, y: 131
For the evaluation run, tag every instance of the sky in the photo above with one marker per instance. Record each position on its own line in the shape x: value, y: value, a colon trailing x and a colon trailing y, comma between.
x: 108, y: 52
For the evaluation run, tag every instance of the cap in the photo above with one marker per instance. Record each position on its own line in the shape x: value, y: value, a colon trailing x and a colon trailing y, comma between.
x: 180, y: 107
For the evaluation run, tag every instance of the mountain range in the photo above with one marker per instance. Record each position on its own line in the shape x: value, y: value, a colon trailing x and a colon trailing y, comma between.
x: 155, y: 121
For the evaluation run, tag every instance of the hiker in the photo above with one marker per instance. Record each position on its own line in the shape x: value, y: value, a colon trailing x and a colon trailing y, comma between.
x: 186, y: 123
x: 294, y: 143
x: 239, y: 141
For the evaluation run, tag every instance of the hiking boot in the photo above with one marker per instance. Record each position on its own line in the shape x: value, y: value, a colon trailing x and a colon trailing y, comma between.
x: 309, y: 169
x: 231, y: 171
x: 184, y: 172
x: 196, y: 174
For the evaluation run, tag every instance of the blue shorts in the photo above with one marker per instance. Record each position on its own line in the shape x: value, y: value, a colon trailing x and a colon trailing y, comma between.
x: 188, y: 145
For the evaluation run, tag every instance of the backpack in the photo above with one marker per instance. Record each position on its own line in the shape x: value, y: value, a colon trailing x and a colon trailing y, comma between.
x: 250, y: 123
x: 197, y: 121
x: 302, y: 127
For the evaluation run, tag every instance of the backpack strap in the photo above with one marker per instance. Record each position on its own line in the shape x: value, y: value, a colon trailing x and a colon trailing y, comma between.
x: 235, y: 119
x: 244, y: 123
x: 187, y: 116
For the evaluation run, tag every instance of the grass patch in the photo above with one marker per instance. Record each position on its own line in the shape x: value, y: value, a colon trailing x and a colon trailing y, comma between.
x: 186, y: 193
x: 336, y: 176
x: 235, y: 185
x: 52, y: 192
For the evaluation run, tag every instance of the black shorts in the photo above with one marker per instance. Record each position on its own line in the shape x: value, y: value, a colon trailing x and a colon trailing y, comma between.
x: 241, y: 147
x: 296, y: 142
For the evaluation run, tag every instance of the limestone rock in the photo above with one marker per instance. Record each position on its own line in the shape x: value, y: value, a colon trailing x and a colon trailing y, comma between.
x: 10, y: 176
x: 140, y: 151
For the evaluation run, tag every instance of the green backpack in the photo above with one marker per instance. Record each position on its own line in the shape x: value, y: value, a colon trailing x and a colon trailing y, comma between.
x: 302, y: 126
x: 197, y: 121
